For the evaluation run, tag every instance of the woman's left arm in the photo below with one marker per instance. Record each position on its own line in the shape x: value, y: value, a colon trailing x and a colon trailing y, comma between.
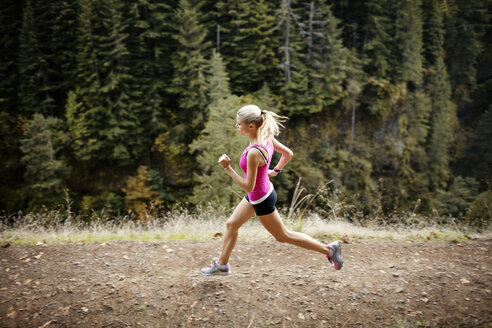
x: 284, y: 159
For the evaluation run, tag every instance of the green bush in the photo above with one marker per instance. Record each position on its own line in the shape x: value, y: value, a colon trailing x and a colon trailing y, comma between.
x: 457, y: 200
x: 108, y: 201
x: 481, y: 209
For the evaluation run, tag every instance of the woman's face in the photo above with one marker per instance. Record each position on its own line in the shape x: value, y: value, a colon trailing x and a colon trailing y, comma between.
x: 240, y: 126
x: 243, y: 128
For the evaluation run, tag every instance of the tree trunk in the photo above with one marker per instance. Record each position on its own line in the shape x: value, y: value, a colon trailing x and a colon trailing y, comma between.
x: 218, y: 38
x: 352, y: 130
x: 287, y: 39
x: 310, y: 35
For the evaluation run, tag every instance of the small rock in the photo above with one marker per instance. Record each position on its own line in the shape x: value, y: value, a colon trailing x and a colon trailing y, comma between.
x: 84, y: 309
x: 218, y: 235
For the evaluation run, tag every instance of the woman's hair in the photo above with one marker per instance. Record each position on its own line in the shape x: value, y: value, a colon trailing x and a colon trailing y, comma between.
x: 268, y: 122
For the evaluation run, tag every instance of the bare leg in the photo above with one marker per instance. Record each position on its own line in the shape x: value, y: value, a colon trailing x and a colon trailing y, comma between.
x: 273, y: 223
x: 241, y: 214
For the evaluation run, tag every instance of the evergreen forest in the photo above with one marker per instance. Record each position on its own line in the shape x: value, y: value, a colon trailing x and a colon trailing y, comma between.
x: 126, y: 105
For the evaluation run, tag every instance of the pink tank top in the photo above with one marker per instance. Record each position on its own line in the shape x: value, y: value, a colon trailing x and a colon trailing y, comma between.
x: 263, y: 186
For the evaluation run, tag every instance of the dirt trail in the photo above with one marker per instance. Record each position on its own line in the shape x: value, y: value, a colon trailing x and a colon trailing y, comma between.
x: 143, y: 284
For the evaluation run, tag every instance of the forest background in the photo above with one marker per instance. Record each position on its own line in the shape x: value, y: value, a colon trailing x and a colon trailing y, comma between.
x: 127, y: 105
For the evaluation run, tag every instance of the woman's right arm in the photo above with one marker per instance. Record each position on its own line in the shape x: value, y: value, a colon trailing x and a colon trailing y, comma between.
x: 253, y: 160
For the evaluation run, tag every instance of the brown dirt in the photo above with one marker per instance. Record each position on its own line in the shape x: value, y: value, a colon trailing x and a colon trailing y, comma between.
x: 149, y: 284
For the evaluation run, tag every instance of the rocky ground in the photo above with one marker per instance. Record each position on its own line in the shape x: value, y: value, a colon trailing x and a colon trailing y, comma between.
x: 149, y: 284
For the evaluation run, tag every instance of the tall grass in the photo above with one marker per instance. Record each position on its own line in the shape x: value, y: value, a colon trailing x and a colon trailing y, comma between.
x: 53, y: 227
x: 331, y: 221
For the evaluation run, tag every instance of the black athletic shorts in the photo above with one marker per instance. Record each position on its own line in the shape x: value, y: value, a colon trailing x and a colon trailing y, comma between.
x: 267, y: 206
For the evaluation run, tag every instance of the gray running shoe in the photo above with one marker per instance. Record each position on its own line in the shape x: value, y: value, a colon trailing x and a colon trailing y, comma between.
x: 216, y: 269
x: 335, y: 256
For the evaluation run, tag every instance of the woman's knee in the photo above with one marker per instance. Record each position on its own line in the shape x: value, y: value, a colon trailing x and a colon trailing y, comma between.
x: 283, y: 237
x: 232, y: 224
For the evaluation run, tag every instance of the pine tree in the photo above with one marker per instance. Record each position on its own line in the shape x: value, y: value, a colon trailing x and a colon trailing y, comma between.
x: 293, y: 65
x: 477, y: 157
x: 259, y: 46
x: 47, y: 56
x: 352, y: 14
x: 377, y: 55
x: 120, y: 91
x: 10, y: 166
x: 35, y: 91
x: 442, y: 123
x: 464, y: 29
x: 328, y: 60
x: 433, y: 32
x: 106, y: 114
x: 218, y: 137
x: 408, y: 36
x: 442, y: 117
x: 60, y: 47
x: 226, y: 21
x: 458, y: 198
x: 84, y: 112
x: 45, y: 173
x: 10, y: 18
x: 413, y: 108
x: 218, y: 81
x: 189, y: 64
x: 248, y: 44
x: 355, y: 78
x: 151, y: 46
x: 377, y: 38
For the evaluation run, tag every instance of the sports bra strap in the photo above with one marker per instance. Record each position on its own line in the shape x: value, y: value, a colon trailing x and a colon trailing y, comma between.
x: 266, y: 160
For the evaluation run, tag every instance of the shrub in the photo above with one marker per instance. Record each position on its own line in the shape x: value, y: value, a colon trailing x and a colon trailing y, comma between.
x: 480, y: 212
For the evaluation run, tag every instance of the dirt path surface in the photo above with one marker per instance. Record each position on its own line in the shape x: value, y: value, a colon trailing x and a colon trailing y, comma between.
x: 144, y: 284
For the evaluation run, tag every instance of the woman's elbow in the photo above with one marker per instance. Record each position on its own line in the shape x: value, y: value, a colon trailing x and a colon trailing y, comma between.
x: 289, y: 154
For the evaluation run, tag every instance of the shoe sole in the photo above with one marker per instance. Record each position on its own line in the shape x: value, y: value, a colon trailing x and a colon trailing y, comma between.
x: 217, y: 273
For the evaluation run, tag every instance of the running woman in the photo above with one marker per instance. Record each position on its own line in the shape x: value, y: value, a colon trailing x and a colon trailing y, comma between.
x: 262, y: 126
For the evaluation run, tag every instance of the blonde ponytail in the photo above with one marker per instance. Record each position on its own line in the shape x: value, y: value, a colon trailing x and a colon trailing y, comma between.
x: 268, y: 122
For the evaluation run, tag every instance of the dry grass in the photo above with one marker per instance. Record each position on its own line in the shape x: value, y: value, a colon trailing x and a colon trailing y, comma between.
x: 334, y: 220
x: 61, y: 226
